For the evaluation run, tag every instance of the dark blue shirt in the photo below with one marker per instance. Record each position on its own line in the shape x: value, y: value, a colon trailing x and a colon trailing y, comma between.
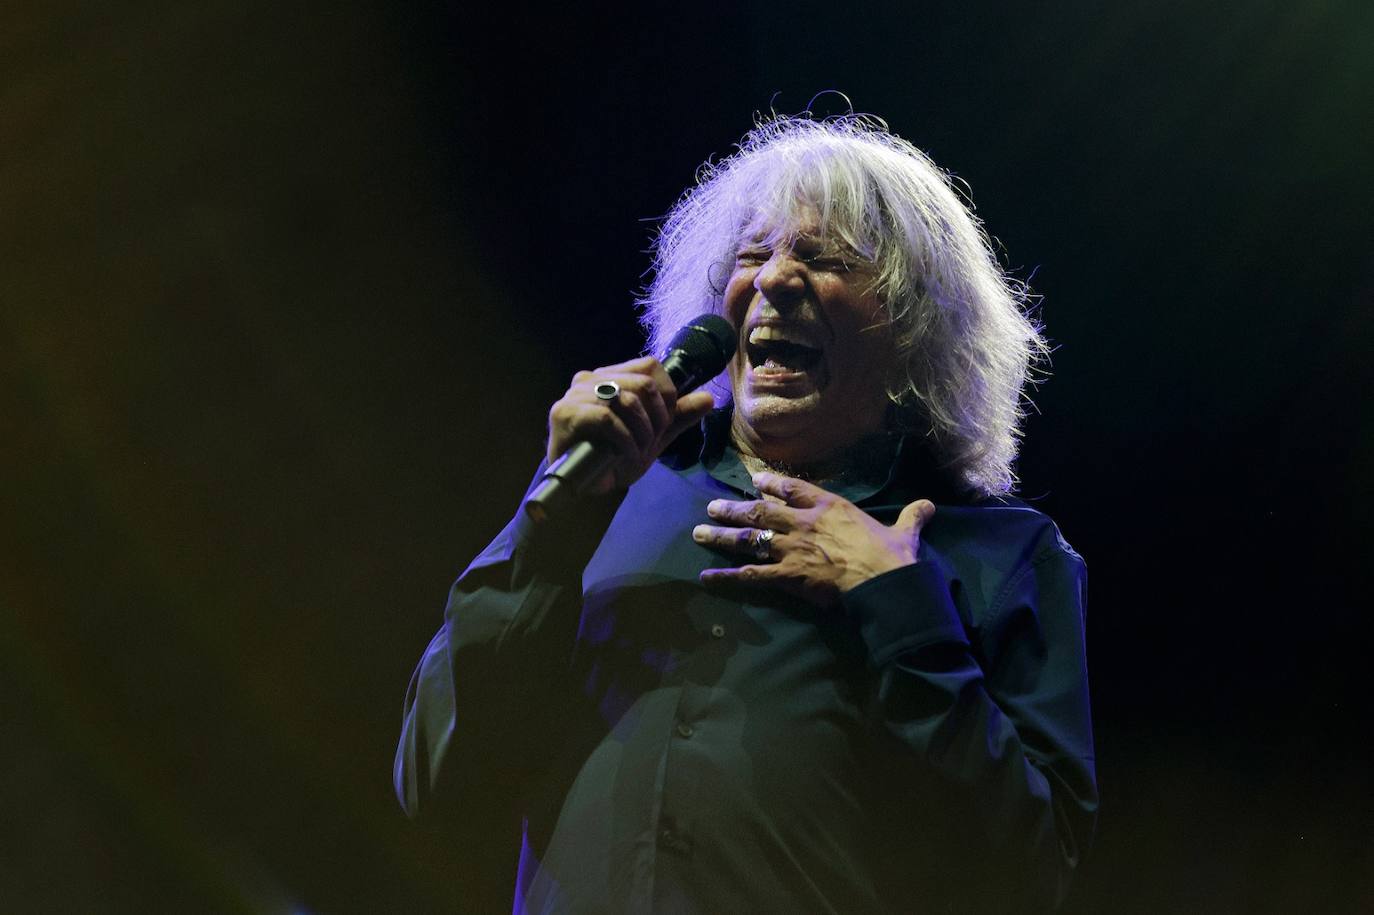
x: 927, y: 748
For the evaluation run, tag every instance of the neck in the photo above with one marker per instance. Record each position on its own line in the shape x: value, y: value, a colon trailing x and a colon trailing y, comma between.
x: 867, y: 461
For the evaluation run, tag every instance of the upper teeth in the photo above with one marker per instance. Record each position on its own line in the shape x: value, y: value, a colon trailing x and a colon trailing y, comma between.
x: 769, y: 334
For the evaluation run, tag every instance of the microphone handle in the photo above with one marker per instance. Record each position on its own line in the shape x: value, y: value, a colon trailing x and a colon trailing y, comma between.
x: 560, y: 485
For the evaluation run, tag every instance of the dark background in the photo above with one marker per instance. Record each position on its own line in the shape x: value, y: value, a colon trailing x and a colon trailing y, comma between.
x: 286, y: 290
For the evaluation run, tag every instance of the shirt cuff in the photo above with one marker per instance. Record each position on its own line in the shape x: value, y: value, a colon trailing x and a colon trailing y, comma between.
x: 564, y: 544
x: 904, y: 610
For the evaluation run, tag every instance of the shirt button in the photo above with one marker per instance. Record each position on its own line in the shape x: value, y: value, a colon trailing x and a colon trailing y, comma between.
x: 684, y: 729
x: 718, y: 630
x: 671, y: 838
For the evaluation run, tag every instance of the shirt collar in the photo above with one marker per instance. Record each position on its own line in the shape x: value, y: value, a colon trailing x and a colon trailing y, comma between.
x: 914, y: 473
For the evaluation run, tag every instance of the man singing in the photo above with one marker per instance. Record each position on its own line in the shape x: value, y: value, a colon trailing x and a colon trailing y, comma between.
x: 801, y: 653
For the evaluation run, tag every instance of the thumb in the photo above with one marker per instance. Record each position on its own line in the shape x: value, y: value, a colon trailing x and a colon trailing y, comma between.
x: 915, y: 516
x: 690, y: 410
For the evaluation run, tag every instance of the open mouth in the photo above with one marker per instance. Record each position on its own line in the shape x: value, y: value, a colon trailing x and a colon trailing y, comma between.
x: 780, y: 351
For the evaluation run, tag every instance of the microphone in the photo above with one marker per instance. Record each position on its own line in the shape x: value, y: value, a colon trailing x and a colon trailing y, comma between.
x: 698, y: 353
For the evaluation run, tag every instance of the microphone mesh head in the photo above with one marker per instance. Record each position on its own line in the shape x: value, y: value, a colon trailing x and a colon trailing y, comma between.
x: 707, y: 341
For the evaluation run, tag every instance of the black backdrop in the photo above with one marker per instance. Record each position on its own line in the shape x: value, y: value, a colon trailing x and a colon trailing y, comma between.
x: 285, y: 291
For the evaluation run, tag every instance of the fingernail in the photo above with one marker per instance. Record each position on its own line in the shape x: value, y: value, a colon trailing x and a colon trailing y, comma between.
x: 699, y: 532
x: 714, y: 506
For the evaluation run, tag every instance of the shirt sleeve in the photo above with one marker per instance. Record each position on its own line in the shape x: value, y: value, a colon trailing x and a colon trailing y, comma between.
x: 492, y: 674
x: 997, y: 709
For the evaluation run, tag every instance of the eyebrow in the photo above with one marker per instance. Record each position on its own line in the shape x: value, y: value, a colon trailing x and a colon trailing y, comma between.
x: 821, y: 241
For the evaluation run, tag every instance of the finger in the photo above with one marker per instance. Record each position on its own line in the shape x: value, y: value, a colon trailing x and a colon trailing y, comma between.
x: 640, y: 365
x: 651, y: 369
x: 914, y: 517
x: 767, y: 576
x: 637, y: 404
x: 593, y: 422
x: 747, y: 575
x: 737, y: 541
x: 572, y: 418
x: 660, y: 376
x: 638, y: 390
x: 630, y: 408
x: 754, y: 513
x: 794, y: 492
x: 691, y: 410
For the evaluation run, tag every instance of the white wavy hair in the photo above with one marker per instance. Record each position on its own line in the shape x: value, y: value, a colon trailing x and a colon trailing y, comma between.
x: 966, y: 345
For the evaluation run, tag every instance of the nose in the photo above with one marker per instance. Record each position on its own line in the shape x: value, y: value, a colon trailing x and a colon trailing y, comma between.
x: 780, y: 279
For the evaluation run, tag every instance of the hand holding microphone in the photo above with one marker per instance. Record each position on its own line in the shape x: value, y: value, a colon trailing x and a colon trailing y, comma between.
x: 614, y: 422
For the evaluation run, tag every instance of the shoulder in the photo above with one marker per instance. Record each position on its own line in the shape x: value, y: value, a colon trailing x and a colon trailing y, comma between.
x: 993, y: 549
x: 1004, y: 527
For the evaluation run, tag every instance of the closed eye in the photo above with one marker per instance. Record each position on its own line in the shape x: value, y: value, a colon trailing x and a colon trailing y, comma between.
x: 830, y: 263
x: 826, y: 259
x: 821, y: 256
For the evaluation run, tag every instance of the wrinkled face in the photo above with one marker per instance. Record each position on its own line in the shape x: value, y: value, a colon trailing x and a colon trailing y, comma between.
x: 815, y: 347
